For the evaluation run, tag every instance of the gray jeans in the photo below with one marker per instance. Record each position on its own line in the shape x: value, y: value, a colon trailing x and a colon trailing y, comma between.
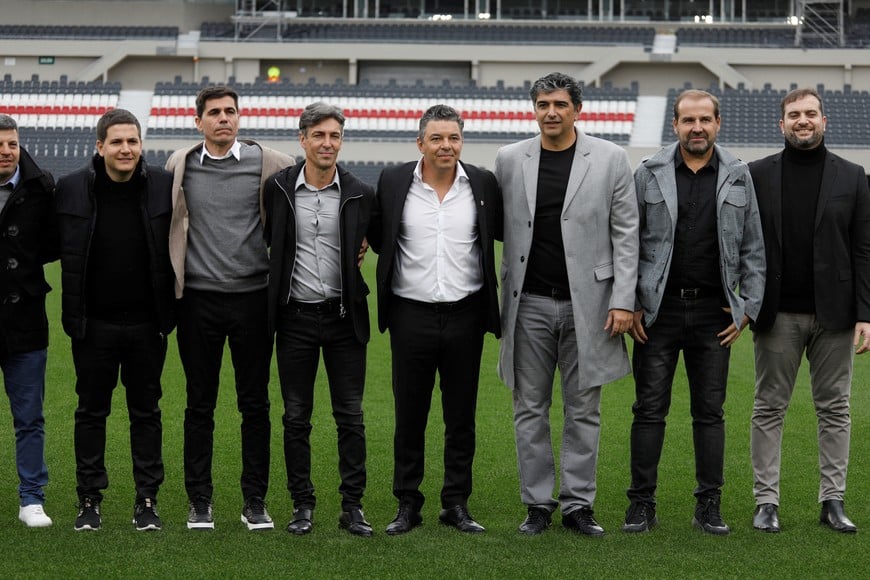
x: 545, y: 338
x: 778, y: 354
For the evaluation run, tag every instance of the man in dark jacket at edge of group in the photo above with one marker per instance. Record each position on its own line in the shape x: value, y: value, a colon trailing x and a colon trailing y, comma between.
x: 28, y: 241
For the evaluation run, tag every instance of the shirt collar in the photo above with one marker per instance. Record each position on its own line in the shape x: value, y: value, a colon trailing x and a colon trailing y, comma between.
x: 460, y: 172
x: 300, y: 181
x: 235, y: 151
x: 16, y: 177
x: 713, y: 163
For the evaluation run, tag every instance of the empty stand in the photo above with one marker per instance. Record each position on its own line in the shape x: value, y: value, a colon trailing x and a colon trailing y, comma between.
x: 453, y: 32
x: 751, y: 117
x: 374, y: 112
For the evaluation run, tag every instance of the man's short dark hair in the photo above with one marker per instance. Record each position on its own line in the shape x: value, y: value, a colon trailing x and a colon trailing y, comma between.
x: 116, y: 117
x: 315, y: 113
x: 439, y: 113
x: 557, y: 81
x: 695, y: 94
x: 214, y: 92
x: 798, y: 94
x: 7, y: 123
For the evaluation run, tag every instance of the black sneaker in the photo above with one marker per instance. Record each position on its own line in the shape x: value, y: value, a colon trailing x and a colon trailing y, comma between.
x: 582, y: 521
x: 536, y: 522
x: 200, y: 516
x: 640, y: 517
x: 255, y: 516
x: 89, y: 514
x: 145, y: 516
x: 708, y: 519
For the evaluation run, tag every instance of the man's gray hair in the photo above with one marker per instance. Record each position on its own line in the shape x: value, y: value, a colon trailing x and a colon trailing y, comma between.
x: 315, y: 113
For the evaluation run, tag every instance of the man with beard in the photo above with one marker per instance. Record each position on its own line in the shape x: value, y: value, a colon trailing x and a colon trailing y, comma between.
x: 815, y: 213
x: 700, y: 282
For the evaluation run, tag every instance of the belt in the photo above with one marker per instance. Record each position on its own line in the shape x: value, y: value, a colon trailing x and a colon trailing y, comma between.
x: 555, y: 293
x: 693, y: 293
x: 325, y: 307
x: 443, y: 307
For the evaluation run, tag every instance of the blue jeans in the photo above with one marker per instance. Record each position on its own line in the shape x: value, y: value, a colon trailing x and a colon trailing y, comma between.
x: 24, y: 375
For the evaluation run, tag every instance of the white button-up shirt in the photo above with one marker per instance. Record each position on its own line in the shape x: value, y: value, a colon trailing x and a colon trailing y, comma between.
x: 438, y: 258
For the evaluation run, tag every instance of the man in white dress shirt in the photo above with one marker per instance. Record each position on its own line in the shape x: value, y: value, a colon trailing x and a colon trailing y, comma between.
x: 433, y: 229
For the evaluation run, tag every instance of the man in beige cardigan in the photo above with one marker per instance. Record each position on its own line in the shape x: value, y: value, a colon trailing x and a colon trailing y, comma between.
x: 221, y: 265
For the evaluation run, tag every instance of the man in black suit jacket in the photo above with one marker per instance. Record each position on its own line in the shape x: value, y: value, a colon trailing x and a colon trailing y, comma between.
x: 316, y: 218
x: 815, y: 213
x: 433, y: 228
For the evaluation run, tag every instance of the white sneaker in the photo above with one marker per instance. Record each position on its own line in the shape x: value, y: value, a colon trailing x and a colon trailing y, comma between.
x: 34, y: 516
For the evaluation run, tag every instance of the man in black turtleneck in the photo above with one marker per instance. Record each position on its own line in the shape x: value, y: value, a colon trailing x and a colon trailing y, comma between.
x: 815, y: 213
x: 118, y: 302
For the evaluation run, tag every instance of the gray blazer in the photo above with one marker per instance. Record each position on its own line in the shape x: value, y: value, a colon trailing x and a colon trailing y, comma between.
x: 600, y: 233
x: 741, y: 244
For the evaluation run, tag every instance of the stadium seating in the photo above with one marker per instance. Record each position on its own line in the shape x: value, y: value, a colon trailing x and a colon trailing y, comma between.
x: 751, y: 117
x: 57, y: 104
x: 271, y: 110
x: 21, y: 31
x: 701, y: 35
x: 436, y: 32
x: 56, y: 119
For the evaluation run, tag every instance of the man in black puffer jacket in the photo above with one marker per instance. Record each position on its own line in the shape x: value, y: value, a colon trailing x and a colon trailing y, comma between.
x: 118, y: 300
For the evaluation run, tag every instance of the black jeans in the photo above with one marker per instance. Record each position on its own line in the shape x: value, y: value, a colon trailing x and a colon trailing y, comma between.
x: 302, y: 331
x: 206, y: 320
x: 690, y: 326
x: 139, y: 351
x: 426, y: 338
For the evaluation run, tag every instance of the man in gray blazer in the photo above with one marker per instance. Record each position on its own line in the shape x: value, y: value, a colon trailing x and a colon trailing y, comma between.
x: 569, y: 271
x: 700, y: 282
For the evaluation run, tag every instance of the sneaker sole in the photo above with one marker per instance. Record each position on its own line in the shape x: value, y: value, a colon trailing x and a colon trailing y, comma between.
x: 200, y: 525
x: 41, y: 524
x: 86, y: 528
x: 253, y: 527
x: 639, y: 528
x: 148, y: 528
x: 712, y: 531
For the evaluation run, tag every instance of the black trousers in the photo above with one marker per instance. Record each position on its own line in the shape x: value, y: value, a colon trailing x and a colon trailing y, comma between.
x: 206, y: 321
x: 426, y: 338
x: 302, y: 332
x: 690, y: 326
x: 138, y: 351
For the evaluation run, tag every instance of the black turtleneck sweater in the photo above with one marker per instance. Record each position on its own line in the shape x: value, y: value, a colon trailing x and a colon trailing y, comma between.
x: 801, y: 181
x: 118, y: 277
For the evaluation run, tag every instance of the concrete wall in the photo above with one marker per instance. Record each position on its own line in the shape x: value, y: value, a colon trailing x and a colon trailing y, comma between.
x: 185, y: 15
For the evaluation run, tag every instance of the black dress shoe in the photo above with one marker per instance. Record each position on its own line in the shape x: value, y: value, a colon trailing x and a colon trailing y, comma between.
x: 536, y: 522
x: 354, y: 521
x: 835, y: 518
x: 458, y: 517
x: 302, y: 523
x: 583, y: 522
x: 766, y: 518
x: 407, y: 518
